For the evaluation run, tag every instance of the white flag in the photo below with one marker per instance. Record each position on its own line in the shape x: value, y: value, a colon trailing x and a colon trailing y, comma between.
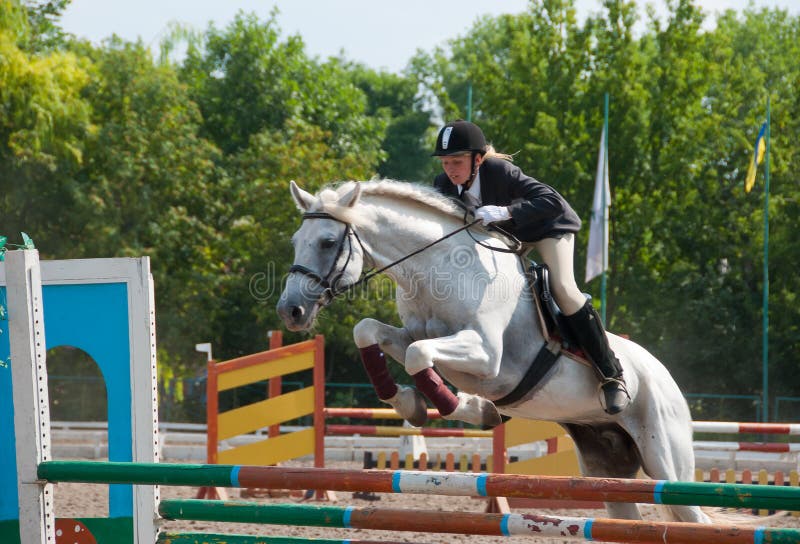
x: 597, y: 253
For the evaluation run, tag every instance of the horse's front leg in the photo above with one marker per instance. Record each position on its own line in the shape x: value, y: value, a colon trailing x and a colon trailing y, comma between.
x: 463, y: 352
x: 373, y: 339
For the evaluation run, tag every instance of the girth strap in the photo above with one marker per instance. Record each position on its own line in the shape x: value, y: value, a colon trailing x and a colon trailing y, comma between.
x: 543, y: 362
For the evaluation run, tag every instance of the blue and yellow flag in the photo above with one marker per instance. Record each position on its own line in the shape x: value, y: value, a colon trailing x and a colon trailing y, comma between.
x: 758, y: 156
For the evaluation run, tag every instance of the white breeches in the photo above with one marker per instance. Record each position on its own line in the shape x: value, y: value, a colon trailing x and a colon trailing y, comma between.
x: 557, y: 254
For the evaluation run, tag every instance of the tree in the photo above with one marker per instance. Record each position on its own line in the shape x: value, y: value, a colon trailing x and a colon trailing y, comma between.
x: 44, y: 124
x: 396, y: 99
x: 278, y: 115
x: 106, y: 152
x: 246, y: 81
x: 151, y: 186
x: 686, y: 241
x: 45, y: 34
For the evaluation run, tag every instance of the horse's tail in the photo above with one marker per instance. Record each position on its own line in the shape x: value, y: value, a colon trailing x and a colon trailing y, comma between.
x: 738, y: 517
x: 722, y: 516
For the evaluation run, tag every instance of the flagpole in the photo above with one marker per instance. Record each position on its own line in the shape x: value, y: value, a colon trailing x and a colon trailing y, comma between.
x: 765, y: 308
x: 605, y: 215
x: 469, y: 101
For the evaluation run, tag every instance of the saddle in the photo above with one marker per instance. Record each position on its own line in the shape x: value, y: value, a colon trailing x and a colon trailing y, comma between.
x: 558, y: 337
x: 554, y: 325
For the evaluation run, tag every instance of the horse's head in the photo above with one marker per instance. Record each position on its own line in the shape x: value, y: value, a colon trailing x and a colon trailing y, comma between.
x: 327, y: 257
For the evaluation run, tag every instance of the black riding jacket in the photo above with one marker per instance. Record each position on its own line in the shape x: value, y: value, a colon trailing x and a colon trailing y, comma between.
x: 537, y: 210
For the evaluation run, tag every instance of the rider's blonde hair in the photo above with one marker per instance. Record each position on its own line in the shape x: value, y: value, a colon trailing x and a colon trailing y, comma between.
x: 491, y: 152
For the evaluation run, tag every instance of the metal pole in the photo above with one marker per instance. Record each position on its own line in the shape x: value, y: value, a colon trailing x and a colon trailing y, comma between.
x: 765, y: 309
x: 469, y: 101
x: 603, y: 280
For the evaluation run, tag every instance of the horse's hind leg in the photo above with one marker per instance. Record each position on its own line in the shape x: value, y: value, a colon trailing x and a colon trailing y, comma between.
x: 373, y: 339
x: 667, y: 454
x: 607, y: 451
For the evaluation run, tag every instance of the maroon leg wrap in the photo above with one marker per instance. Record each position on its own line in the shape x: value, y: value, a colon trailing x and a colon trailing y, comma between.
x: 375, y: 364
x: 431, y: 385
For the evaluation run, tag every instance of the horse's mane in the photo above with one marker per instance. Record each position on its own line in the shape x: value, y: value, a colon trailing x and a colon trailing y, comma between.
x: 386, y: 188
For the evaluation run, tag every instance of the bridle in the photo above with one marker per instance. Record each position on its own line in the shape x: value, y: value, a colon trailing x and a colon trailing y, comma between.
x: 330, y: 281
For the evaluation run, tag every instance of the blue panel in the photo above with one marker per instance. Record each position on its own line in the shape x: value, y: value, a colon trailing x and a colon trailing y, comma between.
x: 94, y: 318
x: 8, y: 457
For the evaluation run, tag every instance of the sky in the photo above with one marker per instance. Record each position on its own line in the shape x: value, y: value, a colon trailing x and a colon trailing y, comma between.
x: 382, y: 35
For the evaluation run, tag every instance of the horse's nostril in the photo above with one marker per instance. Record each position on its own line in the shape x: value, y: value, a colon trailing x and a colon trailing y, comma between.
x: 297, y: 312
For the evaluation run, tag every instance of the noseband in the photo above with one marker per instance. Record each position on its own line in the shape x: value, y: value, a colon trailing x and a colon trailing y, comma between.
x: 330, y: 282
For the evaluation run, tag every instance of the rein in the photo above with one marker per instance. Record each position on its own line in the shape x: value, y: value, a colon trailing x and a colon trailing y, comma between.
x: 513, y: 240
x: 331, y: 288
x: 514, y: 243
x: 369, y: 275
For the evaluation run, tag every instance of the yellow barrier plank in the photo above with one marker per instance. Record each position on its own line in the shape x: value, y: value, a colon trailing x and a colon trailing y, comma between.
x: 265, y: 413
x: 563, y: 463
x: 271, y: 451
x: 395, y: 430
x: 763, y: 479
x: 281, y: 367
x: 522, y: 431
x: 565, y: 443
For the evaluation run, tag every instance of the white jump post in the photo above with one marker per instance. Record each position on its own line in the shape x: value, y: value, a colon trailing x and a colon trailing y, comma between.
x: 136, y: 373
x: 29, y: 373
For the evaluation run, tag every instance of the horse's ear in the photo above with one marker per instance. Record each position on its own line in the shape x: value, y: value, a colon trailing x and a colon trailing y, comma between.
x: 349, y: 199
x: 302, y: 198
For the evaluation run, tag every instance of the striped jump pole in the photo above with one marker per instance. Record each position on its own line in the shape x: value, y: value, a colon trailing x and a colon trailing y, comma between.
x: 468, y: 523
x: 215, y: 538
x: 428, y: 482
x: 769, y: 447
x: 731, y: 427
x: 388, y: 430
x: 372, y: 413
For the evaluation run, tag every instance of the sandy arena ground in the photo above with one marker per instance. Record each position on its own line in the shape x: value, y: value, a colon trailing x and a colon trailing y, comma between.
x: 82, y: 500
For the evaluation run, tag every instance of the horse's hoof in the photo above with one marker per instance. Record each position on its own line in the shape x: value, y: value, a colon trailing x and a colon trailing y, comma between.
x: 491, y: 417
x: 411, y: 405
x: 476, y: 410
x: 492, y: 424
x: 420, y: 415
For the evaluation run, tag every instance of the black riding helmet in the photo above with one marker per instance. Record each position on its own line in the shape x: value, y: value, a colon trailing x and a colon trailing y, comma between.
x: 459, y: 137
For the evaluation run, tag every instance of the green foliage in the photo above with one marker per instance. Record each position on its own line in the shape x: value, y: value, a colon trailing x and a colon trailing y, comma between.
x: 106, y: 151
x: 43, y: 128
x: 246, y: 81
x: 276, y: 115
x: 151, y: 186
x: 396, y: 100
x: 43, y: 21
x: 27, y: 243
x: 685, y: 107
x: 33, y: 23
x: 14, y: 20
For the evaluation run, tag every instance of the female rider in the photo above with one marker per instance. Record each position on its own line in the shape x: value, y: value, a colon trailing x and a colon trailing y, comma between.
x: 536, y: 214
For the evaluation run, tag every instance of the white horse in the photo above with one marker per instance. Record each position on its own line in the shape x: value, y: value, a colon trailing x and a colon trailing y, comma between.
x: 467, y: 312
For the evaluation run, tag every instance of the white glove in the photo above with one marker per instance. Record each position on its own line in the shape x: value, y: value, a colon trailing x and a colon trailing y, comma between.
x: 492, y: 214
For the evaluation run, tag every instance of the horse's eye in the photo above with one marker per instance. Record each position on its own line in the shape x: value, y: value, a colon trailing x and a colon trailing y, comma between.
x: 327, y: 243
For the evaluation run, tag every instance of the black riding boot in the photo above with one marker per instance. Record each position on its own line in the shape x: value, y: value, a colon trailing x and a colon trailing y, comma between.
x: 588, y: 329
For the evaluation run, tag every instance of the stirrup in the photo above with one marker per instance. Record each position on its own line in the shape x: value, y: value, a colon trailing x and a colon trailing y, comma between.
x: 602, y: 394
